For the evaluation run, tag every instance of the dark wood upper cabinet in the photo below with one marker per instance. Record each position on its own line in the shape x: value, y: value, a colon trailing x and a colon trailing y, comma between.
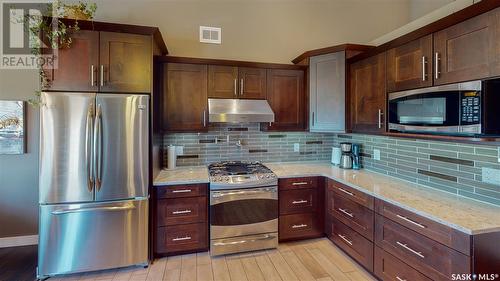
x: 252, y: 83
x: 368, y: 94
x: 222, y: 81
x: 125, y: 62
x: 468, y: 50
x: 285, y: 94
x: 75, y: 68
x: 410, y: 66
x: 185, y: 102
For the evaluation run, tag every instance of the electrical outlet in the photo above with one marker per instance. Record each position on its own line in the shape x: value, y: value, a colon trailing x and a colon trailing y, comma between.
x: 179, y: 150
x: 296, y: 147
x: 491, y: 176
x: 376, y: 154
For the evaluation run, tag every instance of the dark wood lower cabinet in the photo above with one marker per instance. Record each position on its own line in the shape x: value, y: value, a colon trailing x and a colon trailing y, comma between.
x: 180, y: 219
x: 301, y: 207
x: 354, y: 215
x: 182, y: 210
x: 353, y: 243
x: 182, y: 238
x: 299, y: 226
x: 298, y: 201
x: 424, y: 254
x: 389, y: 268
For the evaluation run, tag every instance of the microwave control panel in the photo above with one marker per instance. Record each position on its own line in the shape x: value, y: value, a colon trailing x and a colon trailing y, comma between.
x: 470, y: 108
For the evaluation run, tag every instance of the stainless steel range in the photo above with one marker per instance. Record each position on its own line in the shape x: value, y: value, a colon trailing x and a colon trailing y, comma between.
x: 243, y: 207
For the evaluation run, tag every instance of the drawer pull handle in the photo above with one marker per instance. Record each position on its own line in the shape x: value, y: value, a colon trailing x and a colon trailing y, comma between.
x: 345, y: 239
x: 299, y: 225
x: 345, y: 191
x: 405, y: 246
x: 299, y: 202
x: 182, y: 238
x: 400, y: 279
x: 300, y: 183
x: 181, y: 212
x: 411, y: 221
x: 182, y: 191
x: 346, y: 212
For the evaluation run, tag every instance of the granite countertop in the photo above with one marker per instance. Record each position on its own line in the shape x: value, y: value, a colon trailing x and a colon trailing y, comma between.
x: 466, y: 215
x: 182, y: 175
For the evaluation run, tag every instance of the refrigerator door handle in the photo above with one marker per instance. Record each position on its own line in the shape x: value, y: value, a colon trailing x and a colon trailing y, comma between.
x: 98, y: 148
x: 88, y: 149
x: 94, y: 209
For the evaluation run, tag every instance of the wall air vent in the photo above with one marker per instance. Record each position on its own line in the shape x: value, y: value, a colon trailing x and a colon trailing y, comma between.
x: 210, y: 34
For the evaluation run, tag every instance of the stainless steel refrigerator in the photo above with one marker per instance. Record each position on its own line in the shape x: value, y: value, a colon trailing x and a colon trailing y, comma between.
x: 94, y: 159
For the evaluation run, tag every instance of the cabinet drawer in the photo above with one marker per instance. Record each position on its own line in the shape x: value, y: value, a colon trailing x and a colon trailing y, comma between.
x: 356, y: 216
x: 351, y: 193
x: 424, y: 254
x: 358, y: 247
x: 436, y: 231
x: 389, y: 268
x: 182, y: 238
x: 177, y: 191
x: 182, y: 210
x: 298, y: 201
x: 299, y: 226
x: 297, y: 183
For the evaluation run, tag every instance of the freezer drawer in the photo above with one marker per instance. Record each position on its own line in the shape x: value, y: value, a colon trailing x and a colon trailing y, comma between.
x: 93, y: 236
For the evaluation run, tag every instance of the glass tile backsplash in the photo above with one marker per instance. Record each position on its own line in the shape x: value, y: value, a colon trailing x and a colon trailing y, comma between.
x: 451, y: 167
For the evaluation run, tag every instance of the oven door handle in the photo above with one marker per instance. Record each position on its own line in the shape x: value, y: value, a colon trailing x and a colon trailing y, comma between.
x: 261, y: 193
x: 262, y: 238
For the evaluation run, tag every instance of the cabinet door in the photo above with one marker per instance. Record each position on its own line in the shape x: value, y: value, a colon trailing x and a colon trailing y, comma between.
x: 222, y: 81
x: 327, y: 93
x: 466, y: 50
x: 252, y: 83
x: 125, y: 62
x: 410, y: 66
x: 185, y: 103
x: 75, y: 68
x: 367, y: 95
x: 285, y: 94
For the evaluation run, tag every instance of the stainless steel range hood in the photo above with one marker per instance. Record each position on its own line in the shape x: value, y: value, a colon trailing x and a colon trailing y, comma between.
x: 239, y: 111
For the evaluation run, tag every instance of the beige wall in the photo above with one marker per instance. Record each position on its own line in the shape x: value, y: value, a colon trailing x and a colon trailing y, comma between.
x: 268, y: 31
x: 419, y: 8
x: 19, y: 173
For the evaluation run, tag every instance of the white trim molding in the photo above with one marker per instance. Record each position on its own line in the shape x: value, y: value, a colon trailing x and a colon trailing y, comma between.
x: 18, y: 241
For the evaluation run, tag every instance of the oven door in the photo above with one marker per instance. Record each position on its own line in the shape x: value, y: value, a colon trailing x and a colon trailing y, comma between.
x: 243, y: 212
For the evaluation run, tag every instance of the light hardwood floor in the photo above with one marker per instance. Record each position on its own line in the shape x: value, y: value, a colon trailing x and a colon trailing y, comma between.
x: 308, y: 260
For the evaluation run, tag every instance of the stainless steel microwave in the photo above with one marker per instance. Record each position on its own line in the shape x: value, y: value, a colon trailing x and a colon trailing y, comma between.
x: 468, y: 109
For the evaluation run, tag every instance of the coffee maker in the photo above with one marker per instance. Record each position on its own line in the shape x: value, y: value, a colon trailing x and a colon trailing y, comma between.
x: 346, y: 160
x: 350, y: 158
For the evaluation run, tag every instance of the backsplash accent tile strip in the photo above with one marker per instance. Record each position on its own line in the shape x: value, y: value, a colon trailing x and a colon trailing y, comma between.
x: 451, y: 167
